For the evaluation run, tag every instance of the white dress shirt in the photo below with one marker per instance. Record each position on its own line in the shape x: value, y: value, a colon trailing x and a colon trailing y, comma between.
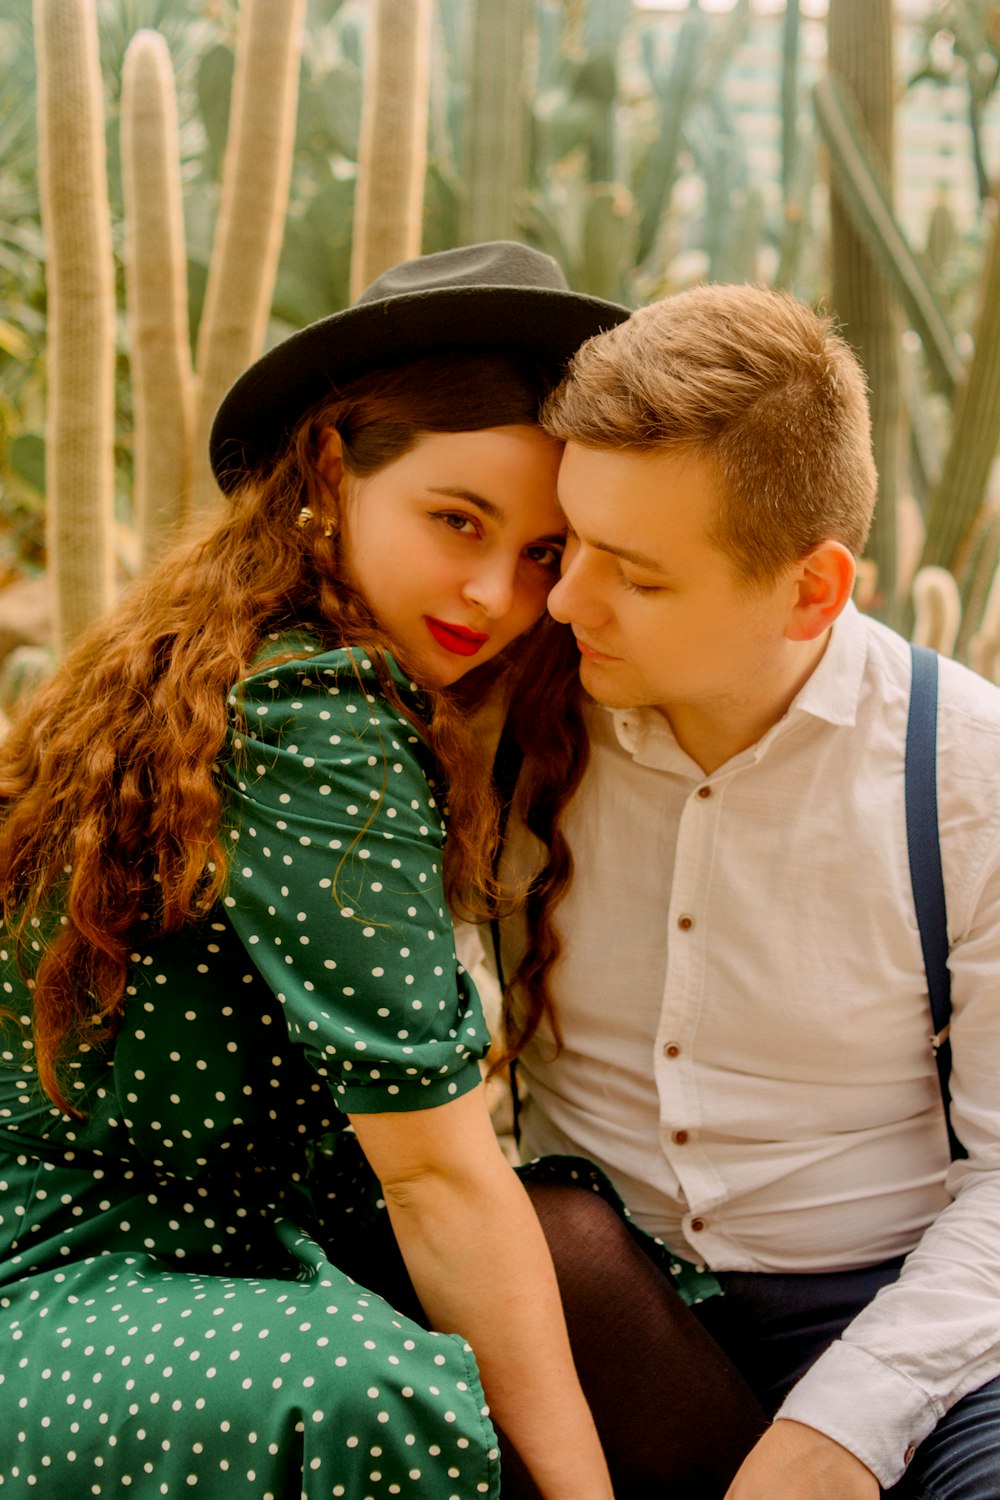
x: 746, y: 1022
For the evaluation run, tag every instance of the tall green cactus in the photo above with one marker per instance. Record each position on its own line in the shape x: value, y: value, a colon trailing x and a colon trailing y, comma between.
x: 81, y: 315
x: 980, y: 561
x: 975, y: 433
x: 790, y: 50
x: 674, y: 92
x: 392, y: 154
x: 862, y: 195
x: 156, y: 287
x: 251, y: 214
x: 497, y: 121
x: 860, y: 36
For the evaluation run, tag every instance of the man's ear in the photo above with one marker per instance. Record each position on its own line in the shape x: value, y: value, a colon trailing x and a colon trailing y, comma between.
x: 331, y: 459
x: 823, y: 583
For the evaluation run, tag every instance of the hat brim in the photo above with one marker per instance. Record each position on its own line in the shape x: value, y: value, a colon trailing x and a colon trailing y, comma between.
x: 259, y: 412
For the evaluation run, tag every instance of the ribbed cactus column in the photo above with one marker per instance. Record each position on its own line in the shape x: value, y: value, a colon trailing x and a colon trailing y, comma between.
x: 81, y: 315
x: 251, y: 214
x: 392, y: 153
x: 861, y: 55
x: 975, y: 433
x: 156, y: 287
x: 496, y: 157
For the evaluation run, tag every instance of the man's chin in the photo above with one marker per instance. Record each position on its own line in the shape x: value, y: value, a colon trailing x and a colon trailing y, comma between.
x: 601, y: 689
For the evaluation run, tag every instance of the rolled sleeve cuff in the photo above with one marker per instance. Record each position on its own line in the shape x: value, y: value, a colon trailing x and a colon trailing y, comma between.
x: 367, y: 1095
x: 871, y: 1410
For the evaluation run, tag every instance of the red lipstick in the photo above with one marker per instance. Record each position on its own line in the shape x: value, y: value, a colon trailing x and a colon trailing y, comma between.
x: 457, y: 639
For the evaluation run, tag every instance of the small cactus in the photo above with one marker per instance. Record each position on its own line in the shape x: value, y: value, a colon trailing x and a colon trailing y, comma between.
x: 984, y: 648
x: 937, y: 607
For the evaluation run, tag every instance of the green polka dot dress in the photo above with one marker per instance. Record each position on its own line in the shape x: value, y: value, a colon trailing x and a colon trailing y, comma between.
x: 175, y: 1315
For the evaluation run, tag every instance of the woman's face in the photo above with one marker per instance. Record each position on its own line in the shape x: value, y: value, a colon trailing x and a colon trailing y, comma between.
x: 455, y: 545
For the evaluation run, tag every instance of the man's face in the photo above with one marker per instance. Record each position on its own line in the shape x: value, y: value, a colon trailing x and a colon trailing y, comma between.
x: 660, y: 615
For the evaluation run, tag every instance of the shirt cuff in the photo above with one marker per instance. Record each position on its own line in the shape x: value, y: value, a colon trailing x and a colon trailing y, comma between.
x: 360, y: 1094
x: 871, y: 1410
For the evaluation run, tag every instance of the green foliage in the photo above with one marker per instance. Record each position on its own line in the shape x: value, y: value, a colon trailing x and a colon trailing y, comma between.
x: 962, y: 44
x: 22, y: 294
x: 634, y: 173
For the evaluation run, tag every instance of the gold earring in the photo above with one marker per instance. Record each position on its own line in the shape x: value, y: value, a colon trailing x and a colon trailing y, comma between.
x: 306, y: 515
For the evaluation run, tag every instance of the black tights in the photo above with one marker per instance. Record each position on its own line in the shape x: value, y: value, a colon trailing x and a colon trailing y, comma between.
x: 675, y: 1417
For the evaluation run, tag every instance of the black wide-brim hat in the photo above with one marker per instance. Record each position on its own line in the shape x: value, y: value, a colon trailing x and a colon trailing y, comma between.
x: 497, y: 296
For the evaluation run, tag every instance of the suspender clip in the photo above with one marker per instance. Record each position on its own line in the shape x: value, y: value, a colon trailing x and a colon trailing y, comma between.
x: 940, y: 1037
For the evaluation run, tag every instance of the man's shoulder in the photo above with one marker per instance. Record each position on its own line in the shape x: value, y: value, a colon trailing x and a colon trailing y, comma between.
x: 961, y: 691
x: 966, y: 692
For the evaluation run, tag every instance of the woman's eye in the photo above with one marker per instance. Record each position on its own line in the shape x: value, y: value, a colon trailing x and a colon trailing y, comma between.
x: 545, y: 555
x: 640, y: 588
x: 455, y: 520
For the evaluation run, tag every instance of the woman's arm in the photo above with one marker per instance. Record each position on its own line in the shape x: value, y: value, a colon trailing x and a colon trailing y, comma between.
x: 480, y: 1265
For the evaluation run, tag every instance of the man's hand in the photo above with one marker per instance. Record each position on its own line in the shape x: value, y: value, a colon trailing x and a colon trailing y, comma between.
x: 795, y: 1462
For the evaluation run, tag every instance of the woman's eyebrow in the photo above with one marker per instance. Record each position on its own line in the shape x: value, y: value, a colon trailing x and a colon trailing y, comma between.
x: 457, y: 493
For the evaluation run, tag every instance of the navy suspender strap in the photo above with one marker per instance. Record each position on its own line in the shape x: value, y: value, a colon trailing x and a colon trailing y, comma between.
x: 925, y: 862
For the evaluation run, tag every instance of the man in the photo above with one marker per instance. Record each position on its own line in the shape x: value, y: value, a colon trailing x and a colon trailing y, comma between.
x: 741, y: 989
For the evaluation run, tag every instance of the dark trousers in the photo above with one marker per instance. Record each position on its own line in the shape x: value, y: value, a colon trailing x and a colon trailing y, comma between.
x: 773, y: 1327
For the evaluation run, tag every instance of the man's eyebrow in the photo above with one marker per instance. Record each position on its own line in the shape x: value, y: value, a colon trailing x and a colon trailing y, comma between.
x: 629, y: 554
x: 457, y: 493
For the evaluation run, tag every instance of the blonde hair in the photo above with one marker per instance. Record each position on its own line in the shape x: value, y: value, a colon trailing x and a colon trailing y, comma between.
x: 761, y: 386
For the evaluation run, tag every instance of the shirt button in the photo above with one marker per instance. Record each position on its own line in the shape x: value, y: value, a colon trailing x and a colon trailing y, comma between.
x: 697, y: 1224
x: 685, y: 923
x: 680, y: 1137
x: 704, y: 791
x: 908, y: 1456
x: 671, y: 1049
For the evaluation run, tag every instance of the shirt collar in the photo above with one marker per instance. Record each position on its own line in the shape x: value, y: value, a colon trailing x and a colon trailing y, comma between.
x: 831, y: 693
x: 834, y: 689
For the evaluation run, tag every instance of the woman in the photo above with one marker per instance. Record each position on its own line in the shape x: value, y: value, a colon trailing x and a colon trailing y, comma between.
x: 234, y: 1018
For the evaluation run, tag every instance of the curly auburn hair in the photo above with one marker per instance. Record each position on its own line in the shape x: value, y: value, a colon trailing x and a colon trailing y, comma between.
x: 109, y: 801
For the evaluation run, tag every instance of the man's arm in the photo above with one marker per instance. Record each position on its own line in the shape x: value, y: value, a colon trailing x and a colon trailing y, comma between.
x: 934, y: 1335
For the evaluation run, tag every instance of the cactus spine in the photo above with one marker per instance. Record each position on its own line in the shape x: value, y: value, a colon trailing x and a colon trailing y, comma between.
x: 392, y: 154
x: 81, y: 318
x: 156, y: 286
x: 251, y: 214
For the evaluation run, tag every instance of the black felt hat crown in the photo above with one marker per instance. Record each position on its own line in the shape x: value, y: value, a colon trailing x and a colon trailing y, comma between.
x: 496, y: 296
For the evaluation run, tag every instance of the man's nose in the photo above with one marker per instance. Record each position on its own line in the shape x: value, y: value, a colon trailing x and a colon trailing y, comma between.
x: 571, y: 599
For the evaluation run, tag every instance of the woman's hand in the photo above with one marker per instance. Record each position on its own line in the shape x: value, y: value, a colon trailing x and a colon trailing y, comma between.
x: 795, y: 1462
x: 480, y: 1265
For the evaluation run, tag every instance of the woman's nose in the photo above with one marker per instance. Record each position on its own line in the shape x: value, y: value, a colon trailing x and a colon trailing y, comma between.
x: 492, y: 587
